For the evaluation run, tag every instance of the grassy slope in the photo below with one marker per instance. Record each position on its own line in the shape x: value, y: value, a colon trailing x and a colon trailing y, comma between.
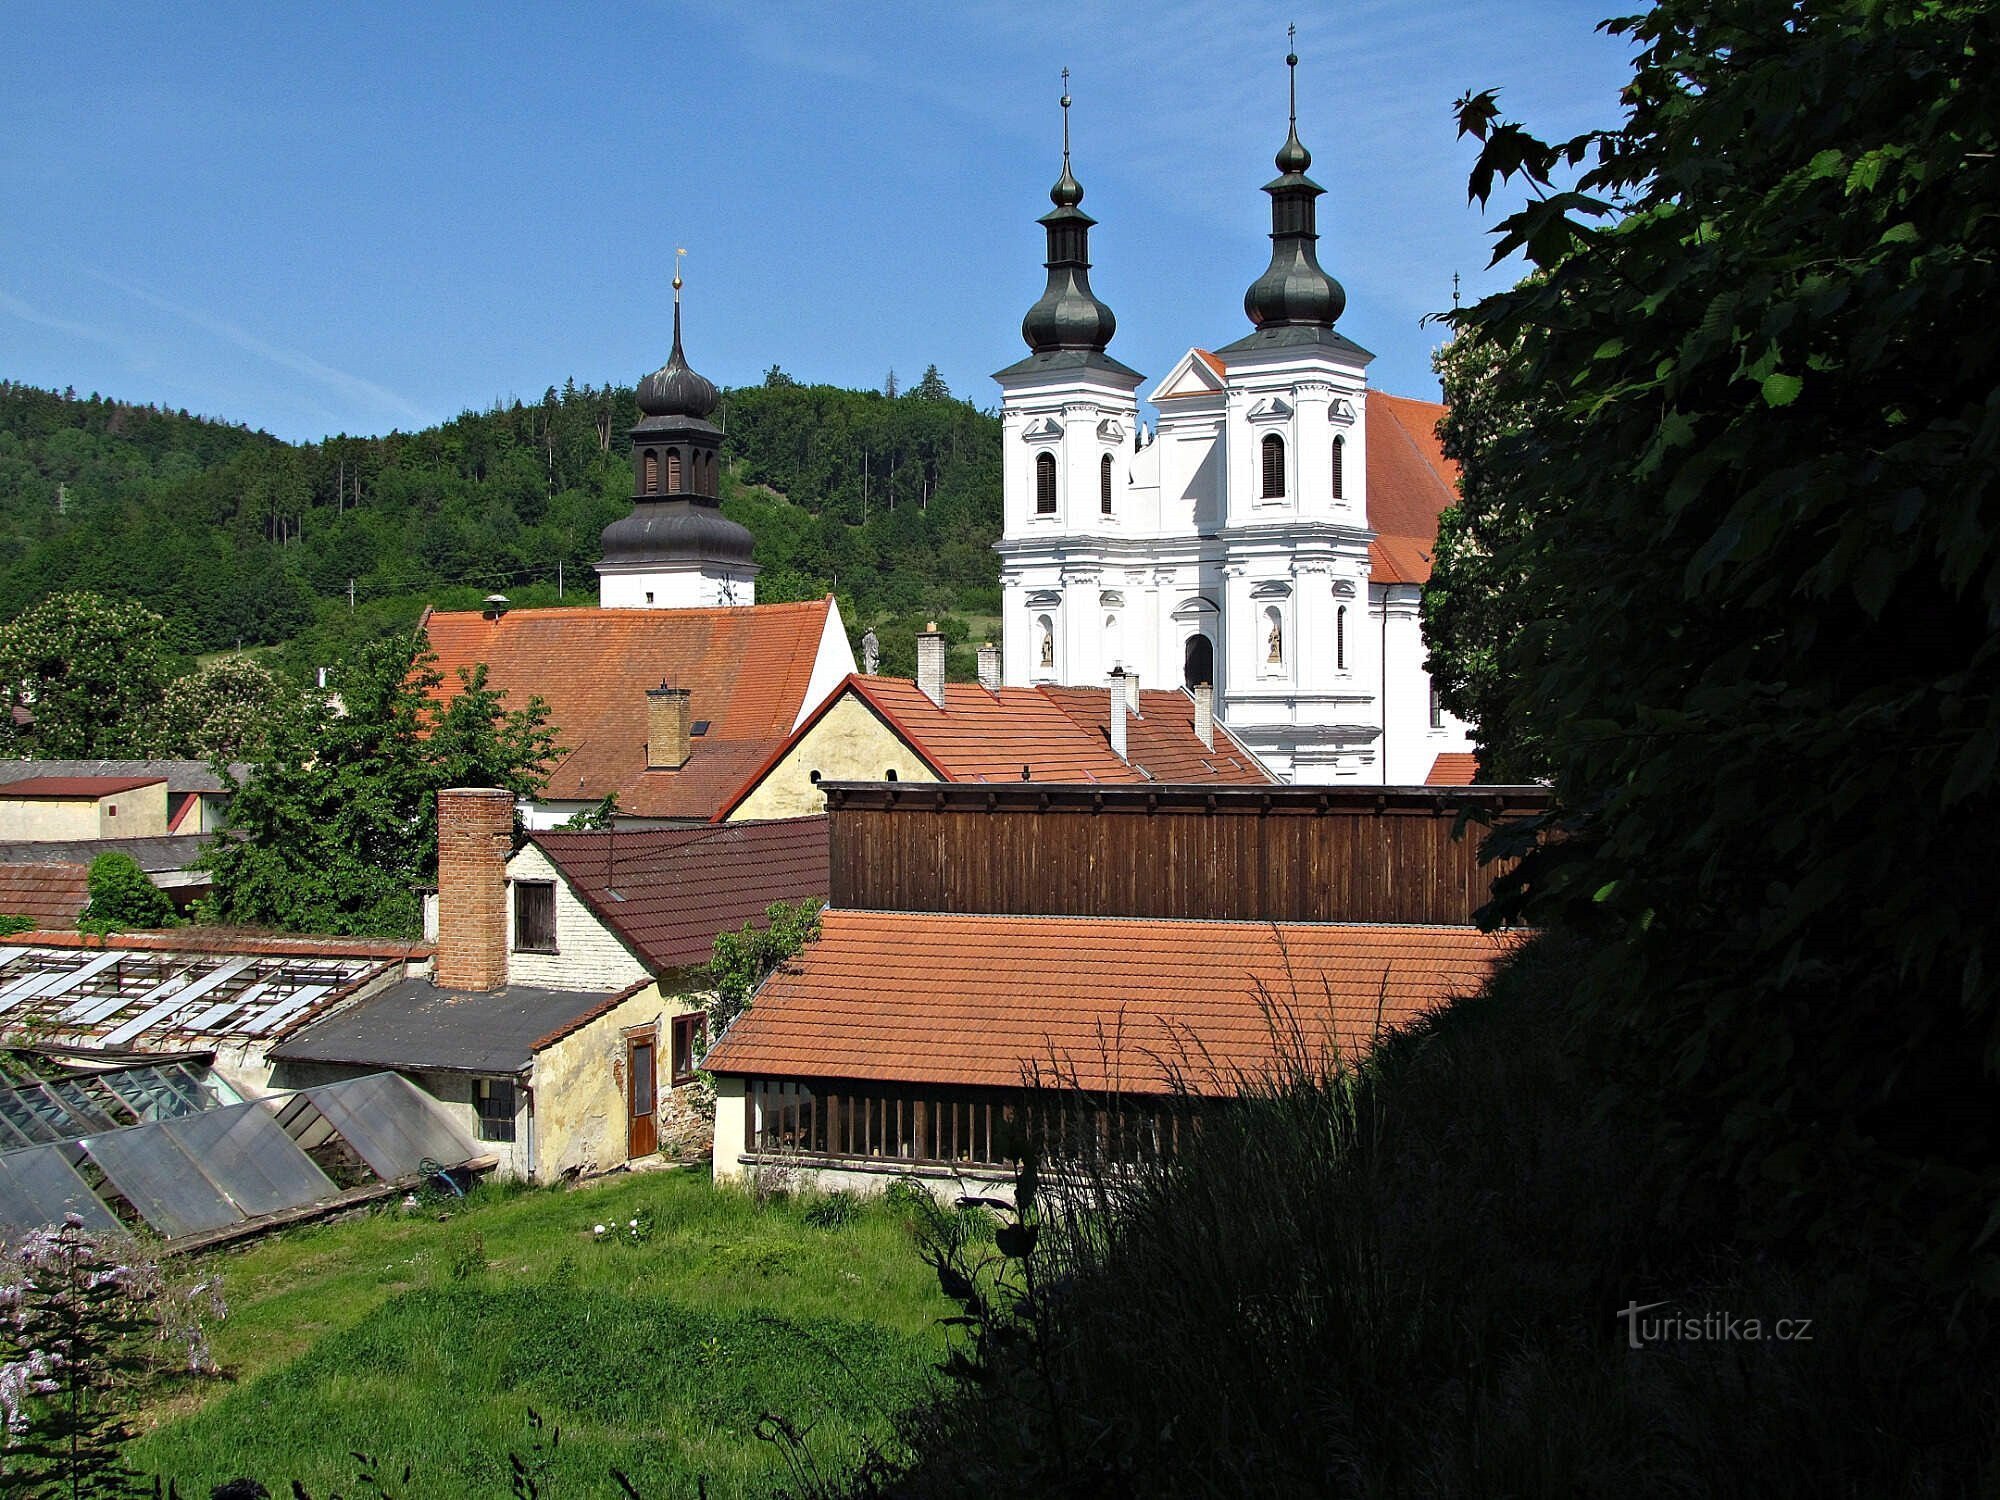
x: 426, y: 1343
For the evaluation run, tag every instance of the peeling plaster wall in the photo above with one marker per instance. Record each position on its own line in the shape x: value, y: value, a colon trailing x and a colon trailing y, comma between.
x: 579, y: 1086
x: 850, y: 743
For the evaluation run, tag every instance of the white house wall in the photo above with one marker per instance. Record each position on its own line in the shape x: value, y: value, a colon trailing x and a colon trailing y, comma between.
x: 588, y: 956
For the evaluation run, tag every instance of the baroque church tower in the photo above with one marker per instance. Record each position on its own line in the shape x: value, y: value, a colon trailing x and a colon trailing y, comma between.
x: 1235, y: 546
x: 676, y: 550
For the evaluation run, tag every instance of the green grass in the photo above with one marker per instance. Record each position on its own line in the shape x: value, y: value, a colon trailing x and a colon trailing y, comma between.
x: 426, y: 1344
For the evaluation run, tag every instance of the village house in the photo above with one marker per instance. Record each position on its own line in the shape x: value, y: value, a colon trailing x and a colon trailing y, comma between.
x: 889, y: 729
x: 996, y: 954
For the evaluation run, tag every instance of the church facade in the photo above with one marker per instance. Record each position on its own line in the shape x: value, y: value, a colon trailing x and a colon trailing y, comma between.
x: 1269, y: 536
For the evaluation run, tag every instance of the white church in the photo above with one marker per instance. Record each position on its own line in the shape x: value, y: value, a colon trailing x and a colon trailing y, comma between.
x: 1269, y: 536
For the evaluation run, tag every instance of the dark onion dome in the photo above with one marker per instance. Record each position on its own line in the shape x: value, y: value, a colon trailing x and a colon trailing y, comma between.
x: 676, y: 531
x: 1068, y: 315
x: 1294, y: 292
x: 674, y: 390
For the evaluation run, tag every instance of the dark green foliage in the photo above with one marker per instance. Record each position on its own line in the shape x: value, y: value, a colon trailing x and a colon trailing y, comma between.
x: 92, y: 671
x: 1409, y: 1282
x: 11, y: 924
x: 122, y: 899
x: 832, y: 1210
x: 1748, y: 521
x: 239, y: 539
x: 340, y: 816
x: 744, y: 960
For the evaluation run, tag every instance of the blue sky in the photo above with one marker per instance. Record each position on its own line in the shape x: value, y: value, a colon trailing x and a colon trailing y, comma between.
x: 362, y: 216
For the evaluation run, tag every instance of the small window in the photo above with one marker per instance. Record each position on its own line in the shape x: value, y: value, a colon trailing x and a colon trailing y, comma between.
x: 652, y: 471
x: 1339, y: 467
x: 673, y: 471
x: 890, y: 774
x: 493, y: 1098
x: 1274, y: 466
x: 1437, y: 709
x: 1104, y: 485
x: 814, y: 778
x: 534, y: 916
x: 111, y: 810
x: 1340, y: 638
x: 1045, y: 484
x: 690, y: 1031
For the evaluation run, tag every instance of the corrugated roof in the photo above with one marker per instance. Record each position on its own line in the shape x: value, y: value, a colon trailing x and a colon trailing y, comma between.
x: 1110, y: 1003
x: 416, y: 1026
x: 746, y: 667
x: 1410, y: 484
x: 668, y: 891
x: 71, y: 788
x: 53, y: 894
x: 180, y: 775
x: 1454, y: 768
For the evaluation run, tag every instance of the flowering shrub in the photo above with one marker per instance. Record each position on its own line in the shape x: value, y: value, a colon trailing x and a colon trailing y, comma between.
x: 634, y: 1231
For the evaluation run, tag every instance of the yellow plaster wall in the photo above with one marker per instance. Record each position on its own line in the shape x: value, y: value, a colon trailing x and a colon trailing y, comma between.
x: 579, y: 1085
x: 849, y: 743
x: 142, y: 814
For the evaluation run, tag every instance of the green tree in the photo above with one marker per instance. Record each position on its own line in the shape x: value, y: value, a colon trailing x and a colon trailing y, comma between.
x: 1757, y: 521
x: 92, y: 670
x: 931, y: 387
x: 742, y: 961
x: 122, y: 898
x: 220, y: 712
x: 339, y: 818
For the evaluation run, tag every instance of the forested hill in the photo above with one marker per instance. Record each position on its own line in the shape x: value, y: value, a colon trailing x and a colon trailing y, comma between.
x: 238, y: 538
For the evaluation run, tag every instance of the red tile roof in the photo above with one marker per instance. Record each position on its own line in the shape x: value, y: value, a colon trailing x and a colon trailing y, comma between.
x: 747, y: 667
x: 54, y: 895
x: 1410, y: 484
x: 1454, y: 768
x: 668, y: 891
x: 73, y: 787
x: 1109, y: 1003
x: 1162, y: 739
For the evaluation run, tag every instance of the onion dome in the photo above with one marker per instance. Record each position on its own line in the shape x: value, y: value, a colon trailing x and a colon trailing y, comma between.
x: 684, y: 531
x: 674, y: 390
x: 1068, y: 315
x: 1294, y: 292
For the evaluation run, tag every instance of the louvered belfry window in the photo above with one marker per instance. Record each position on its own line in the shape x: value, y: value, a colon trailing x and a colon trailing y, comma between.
x: 652, y: 471
x: 1339, y: 467
x: 1045, y: 484
x: 1104, y: 485
x: 1340, y: 639
x: 1274, y: 466
x: 673, y: 471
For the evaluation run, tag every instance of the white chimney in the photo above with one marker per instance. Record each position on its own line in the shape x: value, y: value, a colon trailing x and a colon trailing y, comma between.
x: 930, y: 663
x: 1132, y: 695
x: 989, y: 667
x: 1204, y: 714
x: 1118, y: 708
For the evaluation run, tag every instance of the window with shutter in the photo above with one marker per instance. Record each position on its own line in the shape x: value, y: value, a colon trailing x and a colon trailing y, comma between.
x: 1045, y: 484
x: 534, y: 916
x: 1274, y: 466
x: 1339, y: 467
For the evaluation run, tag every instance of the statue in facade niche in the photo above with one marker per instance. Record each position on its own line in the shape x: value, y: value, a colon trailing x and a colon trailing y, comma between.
x: 871, y: 653
x: 1048, y: 648
x: 1277, y: 644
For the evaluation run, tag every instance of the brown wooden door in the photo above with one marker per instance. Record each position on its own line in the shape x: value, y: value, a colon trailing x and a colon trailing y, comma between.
x: 642, y: 1096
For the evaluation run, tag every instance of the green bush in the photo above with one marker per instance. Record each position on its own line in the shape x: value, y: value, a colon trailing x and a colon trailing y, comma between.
x: 122, y: 898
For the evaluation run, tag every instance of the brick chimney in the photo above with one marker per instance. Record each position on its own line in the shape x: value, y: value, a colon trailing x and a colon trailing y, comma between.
x: 1204, y: 714
x: 475, y: 833
x: 669, y: 727
x: 930, y: 662
x: 1119, y: 707
x: 989, y: 667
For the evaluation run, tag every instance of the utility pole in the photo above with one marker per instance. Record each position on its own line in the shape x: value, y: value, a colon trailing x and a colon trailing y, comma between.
x: 559, y: 592
x: 350, y: 596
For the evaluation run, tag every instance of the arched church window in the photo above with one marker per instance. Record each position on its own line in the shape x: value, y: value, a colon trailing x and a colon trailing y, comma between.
x: 1274, y: 637
x: 673, y: 470
x: 652, y: 471
x: 1274, y: 466
x: 1340, y: 639
x: 1104, y: 484
x: 1198, y: 661
x: 1339, y: 467
x: 1045, y: 484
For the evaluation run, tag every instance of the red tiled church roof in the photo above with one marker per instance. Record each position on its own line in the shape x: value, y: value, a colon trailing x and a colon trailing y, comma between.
x: 1410, y: 484
x: 1162, y: 739
x: 1454, y: 768
x: 1109, y: 1003
x: 747, y: 668
x: 668, y: 891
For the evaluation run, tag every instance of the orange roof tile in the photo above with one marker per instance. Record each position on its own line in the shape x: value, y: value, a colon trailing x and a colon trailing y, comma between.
x: 1410, y: 484
x: 747, y: 667
x: 1162, y: 738
x: 983, y: 735
x: 54, y: 895
x: 1454, y: 768
x: 1107, y: 1003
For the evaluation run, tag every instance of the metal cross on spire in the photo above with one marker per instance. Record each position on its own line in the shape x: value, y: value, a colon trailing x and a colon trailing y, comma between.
x: 679, y: 256
x: 1292, y: 62
x: 1454, y: 291
x: 1065, y: 110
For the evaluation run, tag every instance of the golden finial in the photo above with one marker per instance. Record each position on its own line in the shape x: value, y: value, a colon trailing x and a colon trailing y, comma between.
x: 679, y: 255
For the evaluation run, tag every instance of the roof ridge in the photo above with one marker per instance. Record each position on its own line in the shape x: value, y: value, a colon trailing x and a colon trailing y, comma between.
x: 1257, y: 922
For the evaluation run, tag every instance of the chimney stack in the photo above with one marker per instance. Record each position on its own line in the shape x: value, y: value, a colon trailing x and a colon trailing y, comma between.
x: 1204, y: 714
x: 930, y: 663
x: 1132, y: 695
x: 989, y: 667
x: 669, y: 726
x: 1119, y: 705
x: 475, y: 834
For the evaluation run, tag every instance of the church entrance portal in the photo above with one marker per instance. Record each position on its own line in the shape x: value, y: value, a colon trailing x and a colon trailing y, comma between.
x: 1198, y: 661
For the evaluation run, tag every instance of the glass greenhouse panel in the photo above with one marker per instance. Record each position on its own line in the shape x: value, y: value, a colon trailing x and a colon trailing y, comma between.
x: 246, y: 1153
x: 393, y: 1125
x: 39, y: 1187
x: 162, y: 1181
